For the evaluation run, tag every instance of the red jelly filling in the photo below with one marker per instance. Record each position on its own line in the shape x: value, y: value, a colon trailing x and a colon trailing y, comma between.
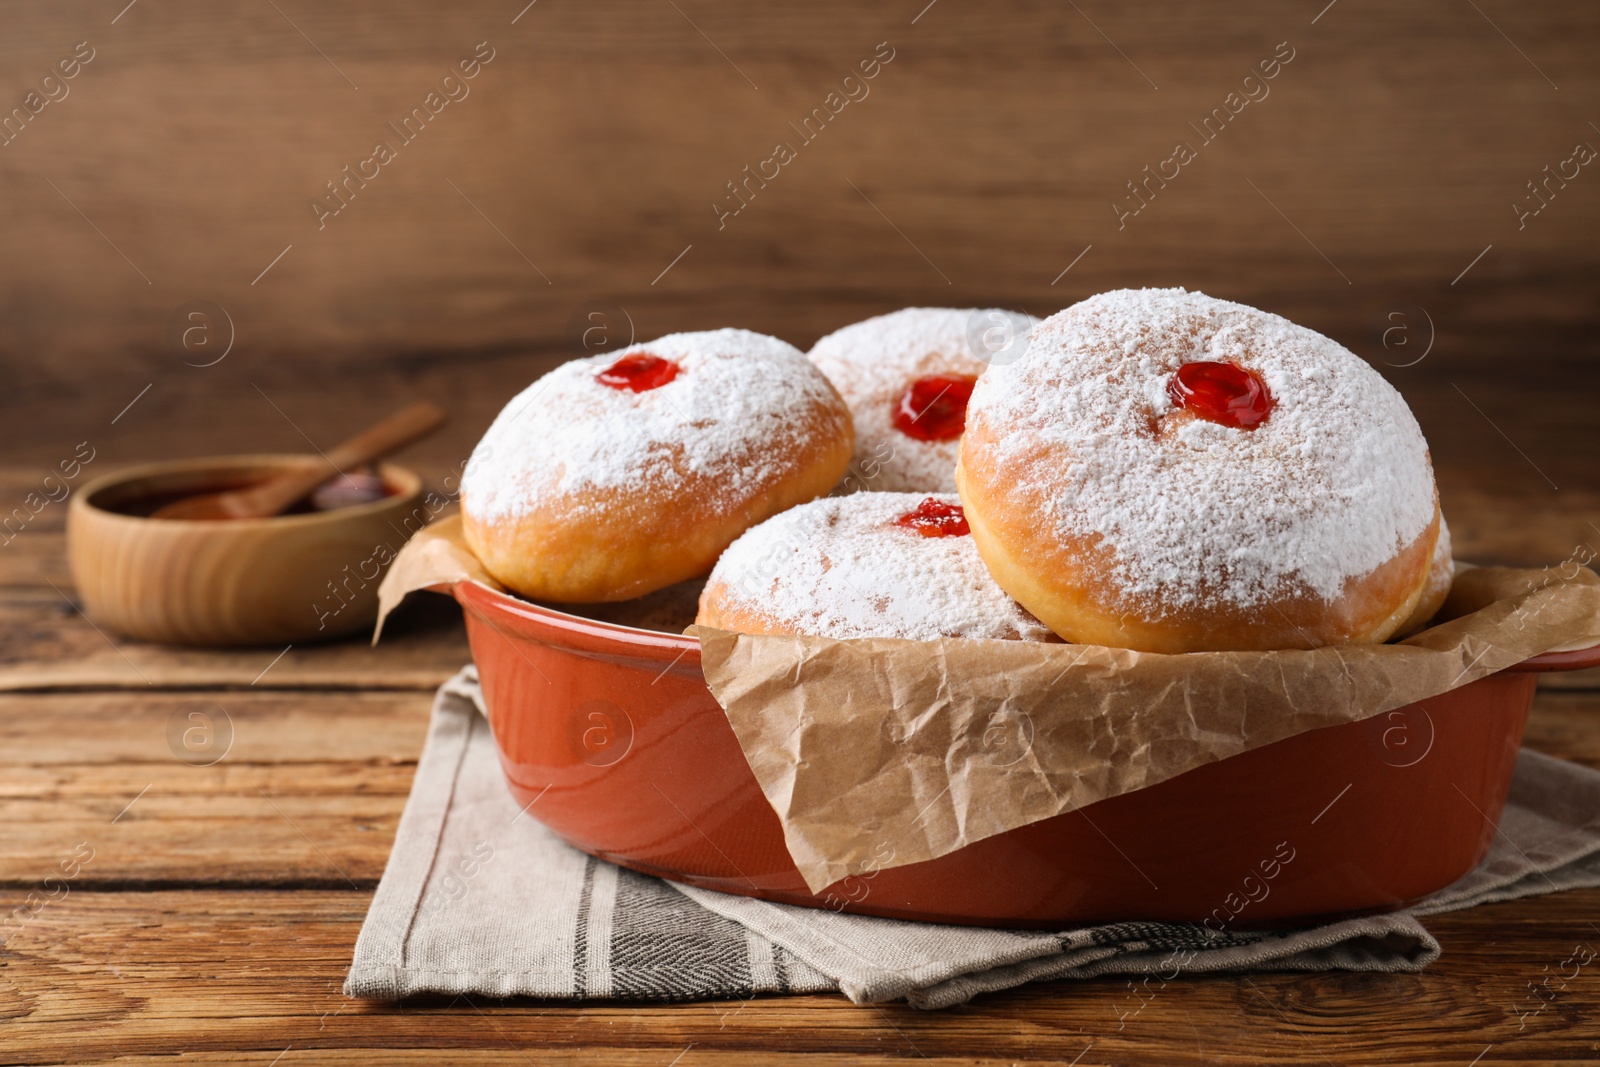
x: 935, y: 408
x: 1222, y: 393
x: 639, y: 372
x: 935, y: 518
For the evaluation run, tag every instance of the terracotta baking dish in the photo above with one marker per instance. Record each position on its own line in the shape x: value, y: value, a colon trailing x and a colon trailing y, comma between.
x: 609, y: 736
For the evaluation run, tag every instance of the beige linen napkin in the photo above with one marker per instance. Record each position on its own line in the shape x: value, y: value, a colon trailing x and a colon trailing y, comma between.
x: 479, y: 898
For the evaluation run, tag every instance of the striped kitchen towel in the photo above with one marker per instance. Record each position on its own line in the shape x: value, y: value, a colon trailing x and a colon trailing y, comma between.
x: 479, y: 898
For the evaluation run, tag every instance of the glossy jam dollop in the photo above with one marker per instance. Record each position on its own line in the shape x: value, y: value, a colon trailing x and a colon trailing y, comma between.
x: 1222, y: 393
x: 639, y: 372
x: 935, y: 518
x: 934, y: 408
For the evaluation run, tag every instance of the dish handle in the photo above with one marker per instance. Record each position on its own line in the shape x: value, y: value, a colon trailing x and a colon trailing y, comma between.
x: 1561, y: 660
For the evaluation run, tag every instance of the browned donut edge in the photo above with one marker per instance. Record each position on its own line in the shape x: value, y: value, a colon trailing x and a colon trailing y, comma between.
x: 602, y: 545
x: 722, y: 609
x: 1061, y: 581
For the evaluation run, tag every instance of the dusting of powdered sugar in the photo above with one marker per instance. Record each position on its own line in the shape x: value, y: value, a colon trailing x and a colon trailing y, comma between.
x: 839, y: 567
x: 732, y: 418
x: 872, y: 363
x: 1331, y: 486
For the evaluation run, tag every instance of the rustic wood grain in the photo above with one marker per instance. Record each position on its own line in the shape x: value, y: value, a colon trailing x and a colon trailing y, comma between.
x: 1529, y: 528
x: 270, y: 727
x: 109, y: 973
x: 46, y: 643
x: 1566, y: 724
x: 590, y: 151
x: 280, y: 788
x: 35, y: 561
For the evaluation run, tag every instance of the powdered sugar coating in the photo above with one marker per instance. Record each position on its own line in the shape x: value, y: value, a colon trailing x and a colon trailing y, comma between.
x: 1332, y: 485
x: 734, y: 400
x: 872, y: 363
x: 839, y: 567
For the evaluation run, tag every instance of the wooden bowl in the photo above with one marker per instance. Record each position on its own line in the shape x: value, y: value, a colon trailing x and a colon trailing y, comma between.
x: 292, y: 578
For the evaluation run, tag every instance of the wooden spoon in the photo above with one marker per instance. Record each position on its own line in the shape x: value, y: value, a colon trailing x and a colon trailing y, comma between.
x: 280, y: 492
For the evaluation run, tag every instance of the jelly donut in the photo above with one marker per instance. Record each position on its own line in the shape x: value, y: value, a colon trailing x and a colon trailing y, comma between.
x: 907, y: 376
x: 1169, y: 472
x: 863, y: 565
x: 616, y: 476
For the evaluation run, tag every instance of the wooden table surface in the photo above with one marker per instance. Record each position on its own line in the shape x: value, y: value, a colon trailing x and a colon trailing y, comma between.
x: 217, y: 914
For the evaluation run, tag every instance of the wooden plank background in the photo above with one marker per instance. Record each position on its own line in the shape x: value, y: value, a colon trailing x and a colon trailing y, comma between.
x: 589, y: 152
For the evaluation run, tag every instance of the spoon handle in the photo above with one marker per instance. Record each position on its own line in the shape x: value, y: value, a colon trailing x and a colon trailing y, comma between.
x: 399, y: 429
